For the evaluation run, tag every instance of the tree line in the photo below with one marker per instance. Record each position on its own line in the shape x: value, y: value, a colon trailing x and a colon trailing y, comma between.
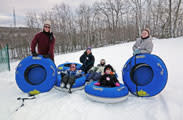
x: 107, y: 22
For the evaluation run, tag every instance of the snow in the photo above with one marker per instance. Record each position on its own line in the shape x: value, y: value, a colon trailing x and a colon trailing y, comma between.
x: 57, y: 105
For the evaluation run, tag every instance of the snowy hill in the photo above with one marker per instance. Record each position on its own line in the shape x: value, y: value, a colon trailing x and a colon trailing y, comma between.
x: 57, y: 105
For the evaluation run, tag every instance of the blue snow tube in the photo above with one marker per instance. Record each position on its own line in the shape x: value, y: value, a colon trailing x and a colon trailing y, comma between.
x: 145, y: 75
x: 106, y: 94
x: 66, y: 66
x: 79, y: 82
x: 36, y: 73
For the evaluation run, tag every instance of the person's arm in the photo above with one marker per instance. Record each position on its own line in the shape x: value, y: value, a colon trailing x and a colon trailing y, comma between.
x: 136, y: 45
x: 51, y: 49
x: 115, y: 79
x: 78, y: 74
x: 64, y: 72
x: 93, y: 69
x: 82, y: 58
x: 91, y: 62
x: 34, y: 43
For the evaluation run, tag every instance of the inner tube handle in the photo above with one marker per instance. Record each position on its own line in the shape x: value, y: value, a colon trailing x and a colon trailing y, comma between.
x: 161, y: 68
x: 53, y: 74
x: 36, y: 58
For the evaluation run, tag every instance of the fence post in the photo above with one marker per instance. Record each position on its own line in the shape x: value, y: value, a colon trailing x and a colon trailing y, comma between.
x: 8, y: 57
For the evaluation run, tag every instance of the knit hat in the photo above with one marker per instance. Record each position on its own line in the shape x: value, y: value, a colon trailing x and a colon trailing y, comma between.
x: 47, y: 22
x: 73, y: 65
x: 148, y: 30
x: 108, y: 67
x: 89, y: 48
x: 102, y: 60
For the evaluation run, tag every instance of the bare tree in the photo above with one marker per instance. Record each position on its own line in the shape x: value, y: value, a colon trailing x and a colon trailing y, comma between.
x: 176, y: 17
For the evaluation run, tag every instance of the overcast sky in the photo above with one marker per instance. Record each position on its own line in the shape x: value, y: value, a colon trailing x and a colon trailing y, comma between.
x: 23, y: 6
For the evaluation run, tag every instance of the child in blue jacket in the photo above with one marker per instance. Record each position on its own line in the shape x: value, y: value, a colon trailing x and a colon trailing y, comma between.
x: 69, y: 77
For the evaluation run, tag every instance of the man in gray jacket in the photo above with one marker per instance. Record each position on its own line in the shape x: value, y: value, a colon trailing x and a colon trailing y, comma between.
x: 143, y: 44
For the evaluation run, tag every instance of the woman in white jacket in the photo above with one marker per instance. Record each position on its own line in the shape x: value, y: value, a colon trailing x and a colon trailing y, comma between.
x: 143, y: 44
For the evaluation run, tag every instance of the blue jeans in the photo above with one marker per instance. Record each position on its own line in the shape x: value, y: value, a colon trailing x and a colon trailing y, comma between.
x: 93, y: 76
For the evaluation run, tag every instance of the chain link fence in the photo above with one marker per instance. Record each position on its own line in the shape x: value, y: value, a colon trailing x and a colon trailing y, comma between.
x: 4, y: 59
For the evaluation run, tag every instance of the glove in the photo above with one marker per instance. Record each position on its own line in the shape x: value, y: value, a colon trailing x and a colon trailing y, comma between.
x: 51, y: 36
x: 137, y: 51
x: 34, y: 54
x: 117, y: 84
x: 46, y: 56
x: 97, y: 84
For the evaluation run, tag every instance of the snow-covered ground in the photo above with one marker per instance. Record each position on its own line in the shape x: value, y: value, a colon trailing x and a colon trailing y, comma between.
x: 57, y: 105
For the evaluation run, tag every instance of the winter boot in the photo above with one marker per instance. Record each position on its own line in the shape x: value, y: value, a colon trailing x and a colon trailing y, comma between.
x: 70, y: 90
x: 68, y: 86
x: 62, y: 85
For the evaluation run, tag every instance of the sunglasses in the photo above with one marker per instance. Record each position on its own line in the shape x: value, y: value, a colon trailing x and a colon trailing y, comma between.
x: 73, y: 67
x: 46, y: 26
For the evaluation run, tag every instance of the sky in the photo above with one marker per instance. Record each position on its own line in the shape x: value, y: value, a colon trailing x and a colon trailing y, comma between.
x: 23, y: 6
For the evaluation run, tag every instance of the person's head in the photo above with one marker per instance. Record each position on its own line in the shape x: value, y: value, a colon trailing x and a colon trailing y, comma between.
x: 145, y: 33
x: 72, y: 67
x: 108, y: 69
x: 88, y: 50
x: 102, y: 62
x: 47, y: 26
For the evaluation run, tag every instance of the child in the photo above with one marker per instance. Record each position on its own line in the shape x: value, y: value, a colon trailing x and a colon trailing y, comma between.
x: 109, y: 78
x: 69, y: 77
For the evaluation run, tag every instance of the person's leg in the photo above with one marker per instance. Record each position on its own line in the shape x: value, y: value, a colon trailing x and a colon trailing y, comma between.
x: 71, y: 81
x: 64, y: 81
x: 96, y: 76
x: 90, y: 77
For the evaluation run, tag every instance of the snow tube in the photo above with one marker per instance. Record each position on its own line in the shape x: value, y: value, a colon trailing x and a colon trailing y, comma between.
x: 145, y: 75
x: 105, y: 94
x: 66, y: 66
x: 79, y: 83
x: 36, y: 73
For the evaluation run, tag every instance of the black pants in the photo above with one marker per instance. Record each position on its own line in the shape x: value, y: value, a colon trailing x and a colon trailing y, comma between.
x: 67, y: 79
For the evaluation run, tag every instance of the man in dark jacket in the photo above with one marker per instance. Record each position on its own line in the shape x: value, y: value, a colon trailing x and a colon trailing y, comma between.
x: 87, y: 59
x: 45, y: 41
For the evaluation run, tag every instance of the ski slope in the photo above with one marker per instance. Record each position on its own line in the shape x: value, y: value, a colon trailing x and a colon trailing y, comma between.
x: 57, y: 105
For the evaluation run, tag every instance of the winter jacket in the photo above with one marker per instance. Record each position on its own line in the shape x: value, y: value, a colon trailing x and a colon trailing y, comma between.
x: 87, y: 61
x: 143, y: 45
x: 75, y: 73
x: 108, y: 80
x: 99, y: 69
x: 45, y: 42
